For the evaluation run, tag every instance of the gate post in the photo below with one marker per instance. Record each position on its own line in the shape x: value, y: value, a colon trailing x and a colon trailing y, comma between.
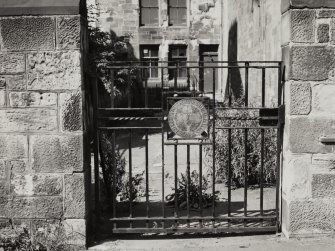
x: 43, y: 162
x: 308, y: 185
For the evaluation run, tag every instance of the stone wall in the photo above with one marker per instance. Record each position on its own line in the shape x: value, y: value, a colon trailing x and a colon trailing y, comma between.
x: 308, y: 167
x: 252, y: 32
x: 42, y: 158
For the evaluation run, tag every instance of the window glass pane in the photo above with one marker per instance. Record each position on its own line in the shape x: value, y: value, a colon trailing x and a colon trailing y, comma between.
x: 145, y: 52
x: 154, y: 52
x: 154, y: 71
x: 145, y: 3
x: 182, y: 17
x: 173, y: 16
x: 154, y: 16
x: 145, y: 16
x: 181, y: 3
x: 182, y: 71
x: 182, y: 52
x: 173, y: 3
x: 154, y: 3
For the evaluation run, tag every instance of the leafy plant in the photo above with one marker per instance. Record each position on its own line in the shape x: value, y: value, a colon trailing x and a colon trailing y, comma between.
x: 194, y: 195
x: 239, y: 145
x: 111, y: 161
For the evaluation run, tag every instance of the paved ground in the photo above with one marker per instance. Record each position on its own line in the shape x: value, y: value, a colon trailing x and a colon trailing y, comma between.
x: 247, y: 243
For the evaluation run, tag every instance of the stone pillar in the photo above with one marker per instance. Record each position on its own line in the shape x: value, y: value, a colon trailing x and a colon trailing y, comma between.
x: 308, y: 39
x: 42, y: 159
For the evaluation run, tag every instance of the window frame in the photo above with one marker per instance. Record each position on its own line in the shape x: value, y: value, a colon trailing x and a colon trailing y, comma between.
x: 150, y: 59
x: 169, y: 7
x: 173, y: 60
x: 141, y: 7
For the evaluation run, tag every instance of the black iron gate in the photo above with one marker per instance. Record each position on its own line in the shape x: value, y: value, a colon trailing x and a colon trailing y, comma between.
x: 210, y: 148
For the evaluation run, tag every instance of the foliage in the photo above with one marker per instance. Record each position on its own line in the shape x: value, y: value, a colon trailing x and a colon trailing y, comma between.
x: 194, y: 195
x: 20, y: 238
x: 253, y: 147
x: 121, y: 177
x: 106, y: 48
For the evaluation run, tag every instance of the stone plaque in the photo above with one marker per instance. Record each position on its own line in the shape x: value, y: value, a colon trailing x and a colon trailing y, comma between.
x: 188, y: 118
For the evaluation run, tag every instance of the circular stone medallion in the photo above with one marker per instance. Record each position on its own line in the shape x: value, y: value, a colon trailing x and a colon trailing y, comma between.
x: 188, y: 118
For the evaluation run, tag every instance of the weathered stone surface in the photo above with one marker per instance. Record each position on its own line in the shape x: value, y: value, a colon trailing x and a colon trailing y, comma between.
x: 57, y: 154
x: 332, y: 31
x: 2, y: 83
x: 323, y: 33
x: 28, y: 33
x: 17, y: 166
x: 323, y: 97
x: 2, y: 98
x: 17, y: 83
x: 75, y: 229
x: 23, y: 120
x: 13, y: 146
x: 70, y: 111
x: 287, y: 4
x: 3, y: 206
x: 311, y: 62
x: 302, y: 24
x: 305, y: 133
x: 4, y: 187
x: 11, y: 63
x: 68, y: 32
x: 74, y: 201
x: 323, y: 163
x: 54, y: 70
x: 32, y: 99
x: 323, y: 186
x: 296, y: 176
x: 36, y: 207
x: 2, y: 169
x: 312, y: 216
x: 300, y: 98
x: 326, y: 13
x: 30, y: 185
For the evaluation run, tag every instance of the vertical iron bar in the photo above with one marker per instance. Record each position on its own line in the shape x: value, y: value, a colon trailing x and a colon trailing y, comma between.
x: 96, y: 148
x: 130, y: 178
x: 147, y: 174
x: 112, y: 88
x: 200, y: 184
x: 246, y: 94
x: 262, y: 148
x: 279, y: 149
x: 114, y: 176
x: 229, y: 171
x: 163, y: 167
x: 188, y: 79
x: 214, y: 148
x: 146, y: 89
x: 175, y: 77
x: 129, y: 88
x: 246, y: 102
x: 175, y: 182
x: 188, y: 184
x: 229, y: 88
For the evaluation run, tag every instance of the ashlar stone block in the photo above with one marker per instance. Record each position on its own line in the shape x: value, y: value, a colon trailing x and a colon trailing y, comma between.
x: 32, y: 99
x: 74, y: 201
x: 311, y: 62
x: 16, y: 82
x: 303, y: 23
x: 70, y: 111
x: 323, y: 99
x: 13, y: 146
x: 12, y: 63
x: 57, y: 154
x: 300, y: 98
x: 323, y: 186
x: 323, y: 33
x: 28, y: 33
x: 24, y: 120
x: 54, y: 70
x: 68, y: 32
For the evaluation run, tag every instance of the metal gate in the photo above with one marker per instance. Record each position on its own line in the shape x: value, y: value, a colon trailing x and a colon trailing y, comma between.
x: 210, y: 148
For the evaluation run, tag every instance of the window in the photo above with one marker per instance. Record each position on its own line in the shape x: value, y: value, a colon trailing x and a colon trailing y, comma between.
x: 149, y: 55
x: 178, y: 55
x: 149, y: 12
x: 177, y: 12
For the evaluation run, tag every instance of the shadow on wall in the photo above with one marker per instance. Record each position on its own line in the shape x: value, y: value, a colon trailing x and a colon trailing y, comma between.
x: 235, y: 80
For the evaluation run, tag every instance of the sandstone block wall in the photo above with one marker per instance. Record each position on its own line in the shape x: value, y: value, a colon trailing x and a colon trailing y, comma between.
x: 42, y: 161
x: 308, y: 167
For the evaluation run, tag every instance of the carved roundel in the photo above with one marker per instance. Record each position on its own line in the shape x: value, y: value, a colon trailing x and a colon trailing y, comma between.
x: 188, y: 118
